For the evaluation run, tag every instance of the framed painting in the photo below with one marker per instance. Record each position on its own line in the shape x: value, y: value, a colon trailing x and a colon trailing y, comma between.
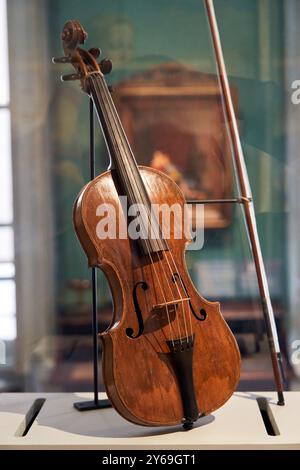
x: 174, y: 120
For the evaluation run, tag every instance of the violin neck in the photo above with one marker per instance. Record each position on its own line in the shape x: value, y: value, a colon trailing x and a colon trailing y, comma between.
x: 123, y: 161
x: 121, y: 155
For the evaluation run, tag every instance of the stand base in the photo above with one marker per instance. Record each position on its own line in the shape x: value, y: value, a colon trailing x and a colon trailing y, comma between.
x: 239, y: 425
x: 188, y: 425
x: 91, y: 405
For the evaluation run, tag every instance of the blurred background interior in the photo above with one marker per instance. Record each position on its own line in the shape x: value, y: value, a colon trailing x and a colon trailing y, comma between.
x: 167, y: 93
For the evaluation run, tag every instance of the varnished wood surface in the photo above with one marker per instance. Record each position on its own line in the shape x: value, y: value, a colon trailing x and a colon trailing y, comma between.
x: 137, y: 373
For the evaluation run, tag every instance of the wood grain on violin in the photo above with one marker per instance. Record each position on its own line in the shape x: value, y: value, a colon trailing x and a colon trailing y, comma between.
x: 168, y: 355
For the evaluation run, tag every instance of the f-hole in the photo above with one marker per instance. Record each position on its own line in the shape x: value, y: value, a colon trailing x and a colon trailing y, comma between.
x: 203, y: 313
x: 139, y: 316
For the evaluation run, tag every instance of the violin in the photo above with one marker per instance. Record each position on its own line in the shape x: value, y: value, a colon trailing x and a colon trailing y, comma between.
x: 168, y: 355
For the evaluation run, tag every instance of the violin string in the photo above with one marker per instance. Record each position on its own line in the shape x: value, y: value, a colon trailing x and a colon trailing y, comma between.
x: 129, y: 188
x: 149, y: 249
x: 174, y: 279
x: 149, y: 308
x: 147, y: 336
x: 157, y: 235
x: 180, y: 279
x: 170, y: 253
x: 98, y: 89
x: 119, y: 125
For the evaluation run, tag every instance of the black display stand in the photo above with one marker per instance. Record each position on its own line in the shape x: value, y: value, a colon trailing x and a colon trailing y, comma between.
x: 94, y: 404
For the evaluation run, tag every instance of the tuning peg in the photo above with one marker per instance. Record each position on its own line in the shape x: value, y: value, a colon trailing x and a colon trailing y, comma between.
x: 105, y: 66
x: 95, y: 51
x: 61, y: 60
x: 71, y: 76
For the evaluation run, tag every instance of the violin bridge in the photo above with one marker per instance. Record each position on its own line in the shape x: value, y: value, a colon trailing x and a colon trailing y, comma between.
x: 172, y: 302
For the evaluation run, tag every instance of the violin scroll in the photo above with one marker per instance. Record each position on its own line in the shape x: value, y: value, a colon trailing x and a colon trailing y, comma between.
x: 84, y: 62
x: 72, y: 35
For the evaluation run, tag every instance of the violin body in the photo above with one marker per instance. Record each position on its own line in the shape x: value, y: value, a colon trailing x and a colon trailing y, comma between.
x: 149, y: 380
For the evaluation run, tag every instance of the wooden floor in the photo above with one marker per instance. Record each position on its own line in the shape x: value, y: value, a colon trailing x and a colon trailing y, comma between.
x: 237, y: 425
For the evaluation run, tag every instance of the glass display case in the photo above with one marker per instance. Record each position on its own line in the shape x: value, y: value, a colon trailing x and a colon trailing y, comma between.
x: 167, y: 92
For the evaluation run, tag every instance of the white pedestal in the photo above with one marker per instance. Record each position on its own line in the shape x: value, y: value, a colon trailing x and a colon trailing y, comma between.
x: 237, y: 425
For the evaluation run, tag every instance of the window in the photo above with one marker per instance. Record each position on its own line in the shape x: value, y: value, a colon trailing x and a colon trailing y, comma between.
x: 7, y: 267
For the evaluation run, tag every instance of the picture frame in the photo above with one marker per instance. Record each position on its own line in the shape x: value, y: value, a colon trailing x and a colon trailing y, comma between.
x: 174, y: 121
